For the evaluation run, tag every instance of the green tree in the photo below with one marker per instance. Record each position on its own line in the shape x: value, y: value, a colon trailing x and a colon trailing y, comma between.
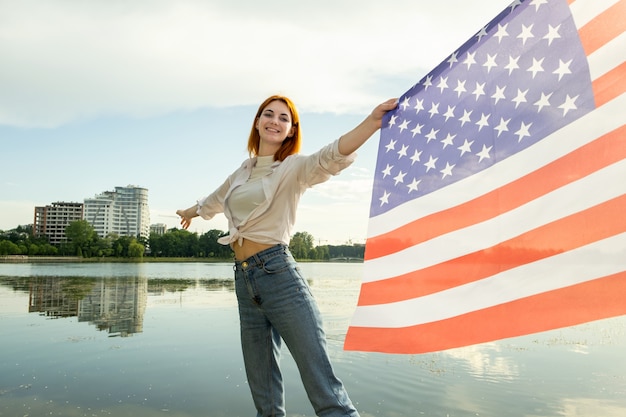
x: 104, y: 247
x: 189, y: 246
x: 9, y: 248
x: 120, y: 245
x: 301, y: 245
x: 33, y: 249
x: 135, y: 249
x: 350, y: 251
x: 156, y: 243
x: 81, y: 234
x: 174, y: 243
x: 208, y: 245
x: 48, y: 250
x: 322, y: 253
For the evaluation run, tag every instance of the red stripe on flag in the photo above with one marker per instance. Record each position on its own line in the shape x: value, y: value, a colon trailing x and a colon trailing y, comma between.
x: 587, y: 159
x: 551, y: 239
x: 610, y: 85
x: 604, y: 27
x: 589, y: 301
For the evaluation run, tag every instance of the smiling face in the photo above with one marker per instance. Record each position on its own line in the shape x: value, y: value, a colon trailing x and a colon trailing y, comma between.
x: 282, y: 136
x: 274, y: 125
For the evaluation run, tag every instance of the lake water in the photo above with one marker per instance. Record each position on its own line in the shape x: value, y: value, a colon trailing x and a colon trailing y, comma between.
x: 150, y: 339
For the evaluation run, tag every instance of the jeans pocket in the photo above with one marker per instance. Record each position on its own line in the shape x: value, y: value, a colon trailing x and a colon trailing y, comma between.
x: 276, y: 265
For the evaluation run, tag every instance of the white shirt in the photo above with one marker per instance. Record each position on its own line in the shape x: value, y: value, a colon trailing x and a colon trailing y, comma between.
x: 272, y: 221
x: 246, y: 197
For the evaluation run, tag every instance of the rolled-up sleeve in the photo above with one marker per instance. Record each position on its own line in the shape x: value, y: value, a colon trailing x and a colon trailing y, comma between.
x: 333, y: 161
x: 326, y: 162
x: 213, y: 204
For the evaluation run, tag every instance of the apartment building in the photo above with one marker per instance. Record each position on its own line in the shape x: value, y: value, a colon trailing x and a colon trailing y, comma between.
x: 158, y: 229
x: 51, y: 221
x: 124, y: 212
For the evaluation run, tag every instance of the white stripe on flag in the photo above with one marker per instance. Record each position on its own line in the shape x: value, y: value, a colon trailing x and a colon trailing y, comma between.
x: 527, y: 280
x: 605, y: 59
x: 597, y: 188
x: 585, y: 11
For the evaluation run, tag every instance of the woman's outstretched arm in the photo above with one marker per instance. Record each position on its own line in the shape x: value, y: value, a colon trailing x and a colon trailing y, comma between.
x: 353, y: 140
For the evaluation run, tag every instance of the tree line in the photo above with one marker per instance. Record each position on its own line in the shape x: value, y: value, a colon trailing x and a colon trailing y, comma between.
x: 83, y: 241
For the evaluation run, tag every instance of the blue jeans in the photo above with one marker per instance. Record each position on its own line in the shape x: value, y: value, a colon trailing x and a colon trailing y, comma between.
x: 275, y: 303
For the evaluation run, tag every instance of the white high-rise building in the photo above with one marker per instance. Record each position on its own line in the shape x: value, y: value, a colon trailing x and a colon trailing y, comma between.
x: 124, y: 212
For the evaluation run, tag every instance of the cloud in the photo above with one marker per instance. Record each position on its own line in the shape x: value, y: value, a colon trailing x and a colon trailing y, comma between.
x: 66, y: 60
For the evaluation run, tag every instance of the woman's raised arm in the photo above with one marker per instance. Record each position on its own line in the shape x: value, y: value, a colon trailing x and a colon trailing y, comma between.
x: 353, y: 140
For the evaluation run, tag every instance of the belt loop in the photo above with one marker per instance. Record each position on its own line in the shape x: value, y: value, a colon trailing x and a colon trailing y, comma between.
x: 257, y: 260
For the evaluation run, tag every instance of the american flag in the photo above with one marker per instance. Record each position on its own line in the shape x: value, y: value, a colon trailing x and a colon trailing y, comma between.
x: 499, y: 199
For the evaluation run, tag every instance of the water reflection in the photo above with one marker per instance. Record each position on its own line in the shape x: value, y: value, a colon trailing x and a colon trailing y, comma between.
x: 585, y: 407
x: 184, y: 358
x: 115, y: 305
x: 488, y: 362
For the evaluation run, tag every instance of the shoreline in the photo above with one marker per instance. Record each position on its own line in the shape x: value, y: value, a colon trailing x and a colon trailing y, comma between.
x: 76, y: 259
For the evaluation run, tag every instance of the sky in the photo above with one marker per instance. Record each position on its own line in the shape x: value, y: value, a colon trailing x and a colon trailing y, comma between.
x: 161, y: 94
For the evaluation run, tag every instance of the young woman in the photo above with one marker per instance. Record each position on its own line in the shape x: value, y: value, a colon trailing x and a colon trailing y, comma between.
x: 259, y: 200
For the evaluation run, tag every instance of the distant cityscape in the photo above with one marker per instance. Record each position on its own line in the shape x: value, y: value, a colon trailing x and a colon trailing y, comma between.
x: 122, y: 212
x: 116, y: 224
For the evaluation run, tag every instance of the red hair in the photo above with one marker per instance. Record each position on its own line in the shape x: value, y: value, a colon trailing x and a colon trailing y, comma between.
x: 290, y: 145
